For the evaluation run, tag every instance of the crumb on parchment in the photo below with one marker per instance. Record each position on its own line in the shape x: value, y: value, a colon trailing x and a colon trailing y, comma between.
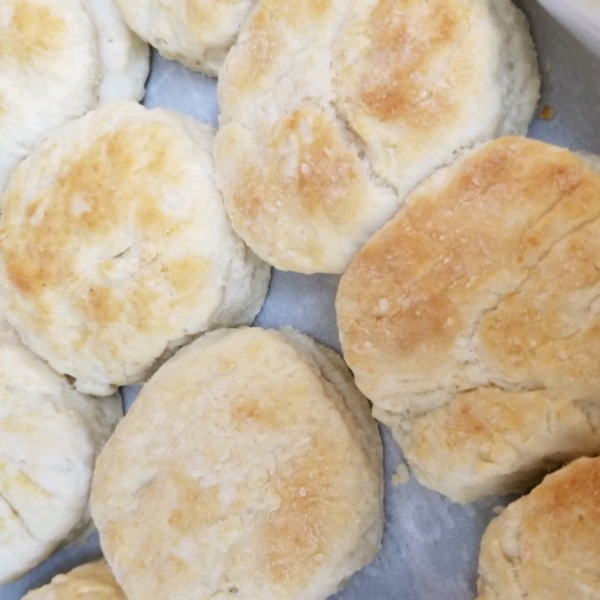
x: 401, y: 475
x: 547, y: 113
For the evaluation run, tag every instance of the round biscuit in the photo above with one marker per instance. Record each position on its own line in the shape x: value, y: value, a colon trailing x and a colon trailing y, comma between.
x: 117, y: 248
x: 333, y: 111
x: 49, y: 438
x: 544, y: 546
x: 49, y: 69
x: 124, y: 57
x: 471, y: 319
x: 196, y: 33
x: 248, y: 467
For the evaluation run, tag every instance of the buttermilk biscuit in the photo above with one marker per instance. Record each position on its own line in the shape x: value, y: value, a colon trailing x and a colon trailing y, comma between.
x: 49, y: 438
x: 471, y: 320
x: 249, y: 467
x: 332, y: 111
x: 196, y: 33
x: 117, y: 248
x: 545, y: 546
x: 93, y: 581
x: 123, y: 55
x: 59, y: 59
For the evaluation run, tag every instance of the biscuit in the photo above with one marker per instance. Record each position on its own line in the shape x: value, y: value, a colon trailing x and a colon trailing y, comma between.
x: 196, y: 33
x: 471, y: 319
x: 49, y: 438
x: 545, y: 546
x: 249, y: 467
x: 123, y: 55
x: 59, y: 59
x: 331, y: 112
x: 117, y: 249
x: 93, y: 581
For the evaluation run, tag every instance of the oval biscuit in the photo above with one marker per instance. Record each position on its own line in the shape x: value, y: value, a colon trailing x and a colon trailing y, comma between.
x: 471, y: 319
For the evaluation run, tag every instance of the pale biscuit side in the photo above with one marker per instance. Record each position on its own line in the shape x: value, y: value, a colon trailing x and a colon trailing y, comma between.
x: 196, y: 34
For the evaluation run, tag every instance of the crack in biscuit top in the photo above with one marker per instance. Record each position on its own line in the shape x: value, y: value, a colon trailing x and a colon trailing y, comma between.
x: 405, y: 86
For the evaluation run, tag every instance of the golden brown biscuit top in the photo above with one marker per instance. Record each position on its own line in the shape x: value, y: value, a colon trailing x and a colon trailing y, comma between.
x: 561, y: 525
x: 487, y: 276
x: 115, y: 242
x: 569, y: 501
x: 320, y: 187
x: 407, y: 67
x: 34, y: 31
x: 545, y: 545
x: 93, y: 581
x: 50, y: 68
x: 264, y: 487
x: 117, y: 183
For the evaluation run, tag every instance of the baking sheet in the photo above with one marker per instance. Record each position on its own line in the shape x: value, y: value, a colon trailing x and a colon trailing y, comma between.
x: 430, y: 545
